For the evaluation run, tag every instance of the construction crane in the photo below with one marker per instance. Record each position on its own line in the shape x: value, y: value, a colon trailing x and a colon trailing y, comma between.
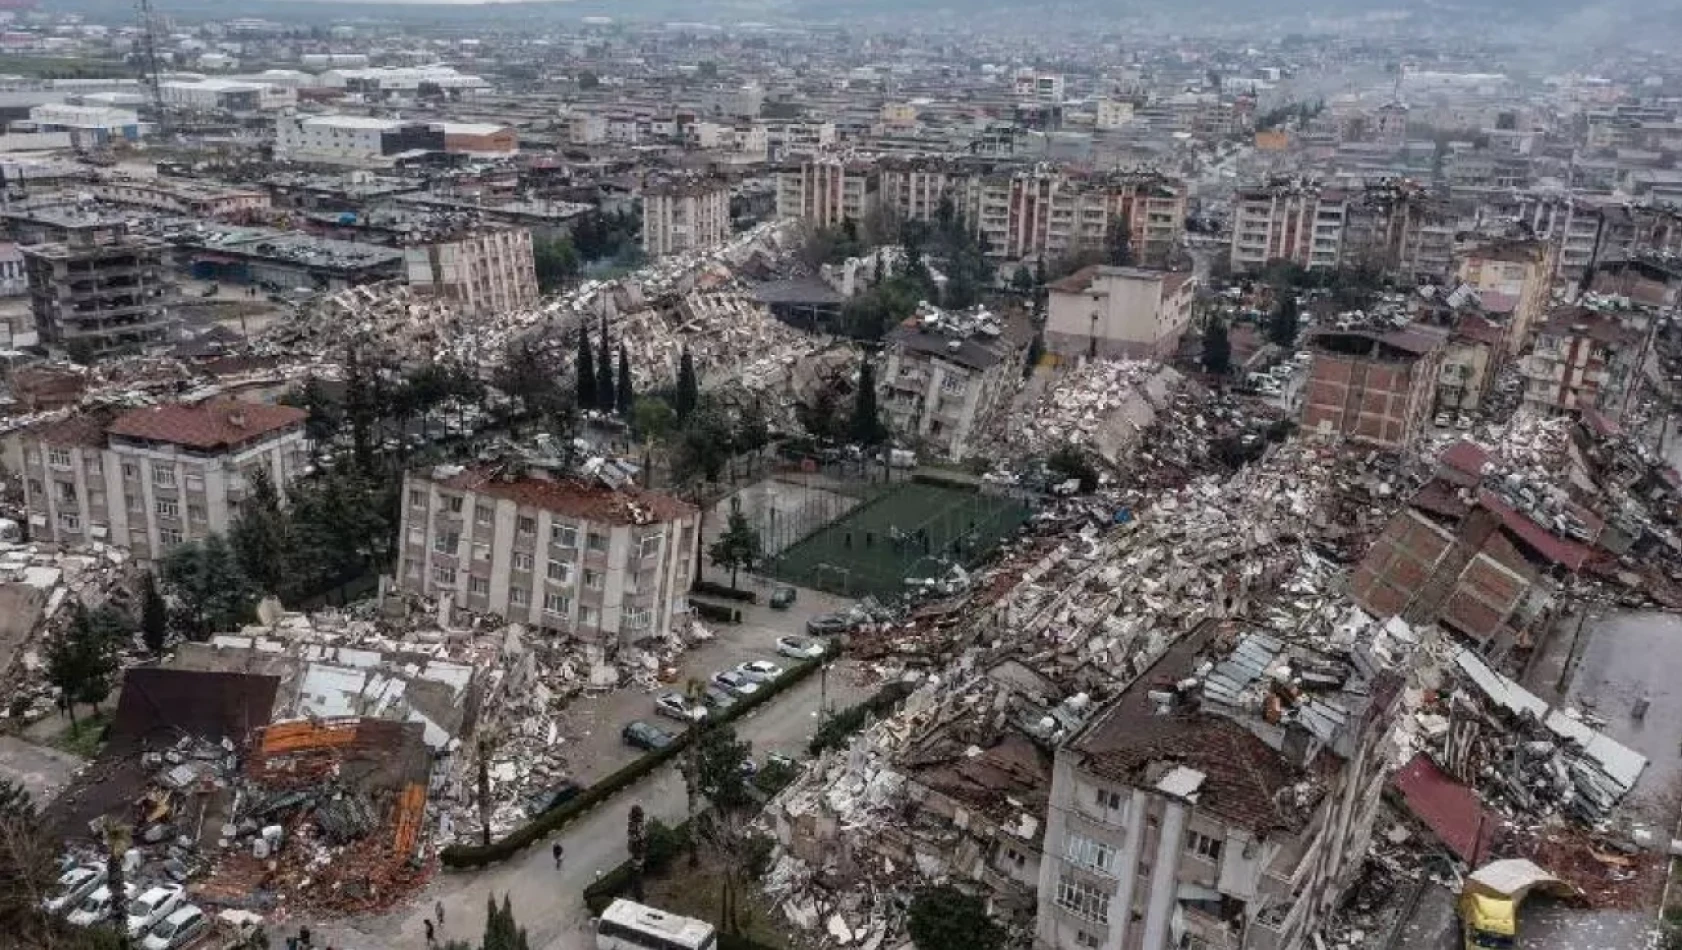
x: 149, y: 64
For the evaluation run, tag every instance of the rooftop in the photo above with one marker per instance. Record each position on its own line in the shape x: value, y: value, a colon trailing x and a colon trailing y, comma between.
x: 585, y: 501
x: 215, y: 424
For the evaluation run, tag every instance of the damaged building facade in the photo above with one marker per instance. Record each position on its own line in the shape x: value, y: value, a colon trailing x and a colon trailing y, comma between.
x: 948, y: 374
x: 606, y: 565
x: 1371, y: 387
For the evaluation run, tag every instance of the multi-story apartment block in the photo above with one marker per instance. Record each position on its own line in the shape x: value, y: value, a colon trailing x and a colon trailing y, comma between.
x: 101, y: 289
x: 683, y: 216
x: 826, y: 191
x: 1512, y: 279
x: 487, y: 271
x: 1375, y: 388
x: 606, y: 566
x: 1388, y: 226
x: 1213, y: 805
x: 786, y: 139
x: 912, y: 189
x: 1119, y: 312
x: 1277, y: 222
x: 948, y: 374
x: 148, y: 479
x: 1584, y: 359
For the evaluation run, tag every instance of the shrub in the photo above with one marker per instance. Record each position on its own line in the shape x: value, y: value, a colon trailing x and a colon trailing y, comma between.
x: 717, y: 613
x: 840, y: 727
x: 715, y: 589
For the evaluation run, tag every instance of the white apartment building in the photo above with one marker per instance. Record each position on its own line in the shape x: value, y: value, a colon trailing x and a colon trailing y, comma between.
x: 1030, y: 85
x: 1274, y: 223
x: 685, y: 216
x: 946, y: 376
x: 1183, y: 816
x: 1112, y: 114
x: 1119, y: 312
x: 148, y: 479
x: 783, y: 139
x: 602, y: 565
x: 485, y: 272
x: 1045, y: 213
x: 825, y: 191
x: 586, y: 128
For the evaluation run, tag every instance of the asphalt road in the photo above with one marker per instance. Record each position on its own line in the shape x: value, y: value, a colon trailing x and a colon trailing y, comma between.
x: 548, y: 902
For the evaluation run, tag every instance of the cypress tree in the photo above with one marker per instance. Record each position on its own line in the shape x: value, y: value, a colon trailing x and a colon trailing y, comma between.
x: 625, y: 398
x: 586, y: 373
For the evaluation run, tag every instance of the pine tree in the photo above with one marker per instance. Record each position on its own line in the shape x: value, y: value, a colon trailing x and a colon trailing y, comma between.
x: 625, y: 397
x: 688, y: 388
x: 1282, y: 326
x: 866, y: 427
x: 154, y: 615
x: 604, y: 374
x: 739, y: 546
x: 586, y: 371
x: 261, y: 536
x: 1217, y: 348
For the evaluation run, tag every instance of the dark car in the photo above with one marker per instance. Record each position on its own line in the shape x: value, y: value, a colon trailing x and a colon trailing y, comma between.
x: 719, y: 699
x: 782, y: 597
x: 828, y: 624
x: 644, y: 736
x: 552, y: 798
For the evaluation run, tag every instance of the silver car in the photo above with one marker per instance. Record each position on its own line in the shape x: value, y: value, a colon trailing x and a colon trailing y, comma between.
x: 673, y: 705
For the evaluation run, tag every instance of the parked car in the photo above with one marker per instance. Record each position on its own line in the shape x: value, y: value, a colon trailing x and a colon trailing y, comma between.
x: 782, y: 597
x: 553, y: 798
x: 826, y: 624
x: 760, y: 671
x: 645, y: 736
x: 96, y: 906
x: 736, y: 683
x: 799, y: 648
x: 675, y: 705
x: 148, y: 909
x: 73, y: 886
x: 179, y: 929
x: 718, y: 699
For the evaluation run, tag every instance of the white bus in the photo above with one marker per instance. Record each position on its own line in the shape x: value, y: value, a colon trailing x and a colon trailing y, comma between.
x: 627, y: 925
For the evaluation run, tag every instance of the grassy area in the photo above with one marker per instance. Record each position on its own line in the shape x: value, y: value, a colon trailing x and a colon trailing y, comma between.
x: 910, y: 531
x: 63, y: 67
x: 695, y: 892
x: 83, y: 739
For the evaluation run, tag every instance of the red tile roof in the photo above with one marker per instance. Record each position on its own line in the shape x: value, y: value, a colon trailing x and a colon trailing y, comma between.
x: 1563, y: 551
x: 213, y: 424
x: 1478, y: 330
x: 1448, y: 808
x: 586, y: 501
x: 1465, y: 459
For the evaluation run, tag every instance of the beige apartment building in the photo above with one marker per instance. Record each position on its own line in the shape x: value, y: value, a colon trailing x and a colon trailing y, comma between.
x: 1119, y: 312
x: 148, y: 479
x: 486, y: 271
x: 826, y: 191
x: 1389, y: 227
x: 947, y: 375
x: 606, y: 566
x: 1512, y: 281
x: 684, y: 216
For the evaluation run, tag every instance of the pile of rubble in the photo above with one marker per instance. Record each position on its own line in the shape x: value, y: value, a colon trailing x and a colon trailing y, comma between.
x: 36, y: 583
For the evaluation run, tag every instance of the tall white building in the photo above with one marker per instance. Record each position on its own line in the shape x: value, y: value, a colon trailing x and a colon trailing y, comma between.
x: 685, y: 216
x: 148, y: 479
x: 604, y: 566
x: 483, y: 272
x: 1119, y: 312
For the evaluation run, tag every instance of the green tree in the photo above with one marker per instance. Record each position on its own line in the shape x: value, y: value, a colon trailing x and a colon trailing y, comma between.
x: 866, y: 427
x: 719, y: 762
x: 688, y: 387
x: 81, y: 662
x: 556, y: 263
x: 585, y: 372
x: 527, y: 375
x: 652, y: 418
x: 326, y: 415
x: 753, y: 431
x: 624, y: 396
x: 154, y: 615
x: 342, y: 526
x: 1023, y: 280
x: 15, y: 803
x: 1118, y: 250
x: 1282, y: 325
x: 703, y: 445
x: 739, y: 546
x: 1217, y: 348
x: 945, y: 918
x: 361, y: 409
x: 501, y: 930
x: 210, y: 591
x: 606, y: 392
x: 261, y: 536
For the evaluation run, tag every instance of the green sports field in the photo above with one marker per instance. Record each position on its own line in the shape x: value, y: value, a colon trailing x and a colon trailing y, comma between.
x: 912, y: 530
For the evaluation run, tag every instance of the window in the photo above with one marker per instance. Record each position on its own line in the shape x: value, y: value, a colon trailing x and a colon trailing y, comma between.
x: 1087, y: 940
x: 1107, y: 798
x: 69, y: 521
x: 478, y: 585
x: 1205, y: 847
x: 589, y: 616
x: 522, y: 561
x: 169, y: 537
x: 95, y: 466
x: 1090, y: 853
x: 564, y: 535
x: 131, y: 470
x: 593, y: 580
x: 417, y: 498
x: 168, y: 509
x: 650, y: 546
x: 446, y: 542
x: 639, y: 619
x: 453, y: 503
x: 1083, y: 899
x: 163, y: 477
x: 58, y: 458
x: 556, y: 603
x: 195, y: 482
x: 443, y: 575
x: 481, y: 551
x: 525, y: 526
x: 482, y: 513
x: 66, y: 492
x: 597, y: 542
x: 519, y: 596
x: 560, y: 572
x: 195, y: 513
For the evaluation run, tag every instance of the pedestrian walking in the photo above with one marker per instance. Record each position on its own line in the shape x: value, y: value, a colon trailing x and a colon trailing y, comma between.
x: 558, y: 850
x: 430, y: 936
x: 440, y: 909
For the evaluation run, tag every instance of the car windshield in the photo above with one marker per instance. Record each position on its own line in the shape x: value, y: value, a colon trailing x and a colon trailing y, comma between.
x: 94, y: 903
x: 165, y: 929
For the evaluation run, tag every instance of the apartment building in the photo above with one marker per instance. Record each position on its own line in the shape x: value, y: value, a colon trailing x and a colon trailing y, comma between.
x: 1584, y: 359
x: 1112, y: 114
x: 605, y: 566
x: 1372, y: 387
x: 1277, y: 222
x: 1125, y: 312
x: 148, y: 479
x: 913, y: 188
x: 826, y: 191
x: 1214, y: 805
x: 948, y: 374
x: 680, y: 216
x: 1512, y: 279
x: 1475, y: 352
x: 100, y: 290
x: 486, y: 271
x: 1030, y: 85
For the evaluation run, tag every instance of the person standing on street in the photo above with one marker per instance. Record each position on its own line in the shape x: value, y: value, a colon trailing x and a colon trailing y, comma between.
x: 439, y: 907
x: 430, y: 936
x: 558, y: 851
